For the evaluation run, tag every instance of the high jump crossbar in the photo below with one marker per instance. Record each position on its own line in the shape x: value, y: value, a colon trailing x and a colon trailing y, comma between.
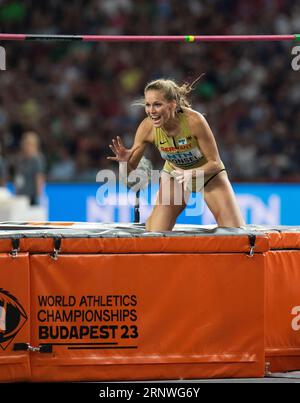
x: 148, y: 38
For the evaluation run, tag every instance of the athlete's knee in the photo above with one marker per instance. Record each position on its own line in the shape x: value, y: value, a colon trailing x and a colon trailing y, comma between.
x: 148, y: 224
x: 229, y: 219
x: 159, y: 223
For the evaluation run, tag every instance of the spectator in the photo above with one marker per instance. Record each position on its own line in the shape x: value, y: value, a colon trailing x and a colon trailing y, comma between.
x: 30, y: 169
x: 64, y: 168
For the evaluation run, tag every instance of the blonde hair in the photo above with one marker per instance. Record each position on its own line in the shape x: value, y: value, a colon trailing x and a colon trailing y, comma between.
x: 172, y: 91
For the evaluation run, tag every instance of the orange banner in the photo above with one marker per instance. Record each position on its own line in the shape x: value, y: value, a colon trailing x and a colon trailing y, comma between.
x: 112, y: 316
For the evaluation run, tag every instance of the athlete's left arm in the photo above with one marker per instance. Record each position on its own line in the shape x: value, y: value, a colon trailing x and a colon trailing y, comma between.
x: 207, y: 143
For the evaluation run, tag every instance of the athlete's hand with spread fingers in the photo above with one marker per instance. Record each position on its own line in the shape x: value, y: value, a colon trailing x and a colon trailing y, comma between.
x: 122, y: 154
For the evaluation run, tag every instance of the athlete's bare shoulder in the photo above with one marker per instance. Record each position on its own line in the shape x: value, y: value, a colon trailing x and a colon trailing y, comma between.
x: 194, y: 118
x: 145, y: 131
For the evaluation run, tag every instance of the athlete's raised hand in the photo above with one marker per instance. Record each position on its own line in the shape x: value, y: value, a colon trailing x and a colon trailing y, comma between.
x: 122, y: 154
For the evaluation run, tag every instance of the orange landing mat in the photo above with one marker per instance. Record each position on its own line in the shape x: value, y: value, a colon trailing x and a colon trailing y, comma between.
x: 113, y: 302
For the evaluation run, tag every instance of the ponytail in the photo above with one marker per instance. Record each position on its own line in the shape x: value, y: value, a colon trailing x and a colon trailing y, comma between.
x: 172, y: 91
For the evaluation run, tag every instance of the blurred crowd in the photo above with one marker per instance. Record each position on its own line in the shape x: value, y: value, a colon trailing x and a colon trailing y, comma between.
x: 78, y: 96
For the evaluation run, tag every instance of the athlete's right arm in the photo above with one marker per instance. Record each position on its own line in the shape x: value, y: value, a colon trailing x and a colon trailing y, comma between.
x: 133, y: 155
x: 142, y: 137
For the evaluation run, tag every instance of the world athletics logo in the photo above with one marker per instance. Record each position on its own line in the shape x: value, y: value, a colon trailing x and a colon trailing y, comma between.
x: 12, y: 318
